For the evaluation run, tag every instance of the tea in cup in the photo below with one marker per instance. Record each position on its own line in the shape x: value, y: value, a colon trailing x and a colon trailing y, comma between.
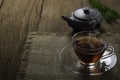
x: 89, y: 47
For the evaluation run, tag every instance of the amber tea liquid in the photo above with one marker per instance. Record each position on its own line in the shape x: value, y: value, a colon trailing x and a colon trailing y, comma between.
x: 88, y: 49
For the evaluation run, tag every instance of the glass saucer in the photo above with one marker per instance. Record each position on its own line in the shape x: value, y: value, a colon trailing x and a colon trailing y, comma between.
x: 70, y: 61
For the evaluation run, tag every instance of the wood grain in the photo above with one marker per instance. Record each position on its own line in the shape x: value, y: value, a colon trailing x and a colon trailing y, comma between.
x: 51, y: 20
x: 1, y: 3
x: 17, y: 18
x: 115, y: 5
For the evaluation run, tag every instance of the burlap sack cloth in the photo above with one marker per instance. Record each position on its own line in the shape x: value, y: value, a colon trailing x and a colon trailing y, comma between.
x: 40, y: 58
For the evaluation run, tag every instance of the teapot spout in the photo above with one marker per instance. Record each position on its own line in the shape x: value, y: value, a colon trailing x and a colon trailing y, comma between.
x: 66, y: 19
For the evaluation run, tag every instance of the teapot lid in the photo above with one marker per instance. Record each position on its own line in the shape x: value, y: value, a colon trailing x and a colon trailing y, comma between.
x: 86, y: 13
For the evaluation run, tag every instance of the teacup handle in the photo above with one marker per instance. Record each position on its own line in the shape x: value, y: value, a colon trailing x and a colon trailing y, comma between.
x: 111, y: 49
x: 93, y: 24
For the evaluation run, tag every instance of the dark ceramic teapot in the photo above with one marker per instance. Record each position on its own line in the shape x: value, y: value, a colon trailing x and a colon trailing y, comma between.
x: 84, y: 19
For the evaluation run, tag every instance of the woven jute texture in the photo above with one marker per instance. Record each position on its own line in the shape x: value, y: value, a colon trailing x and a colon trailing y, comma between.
x: 40, y: 58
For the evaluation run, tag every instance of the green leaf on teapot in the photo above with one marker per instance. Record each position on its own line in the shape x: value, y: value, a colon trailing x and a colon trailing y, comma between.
x: 109, y: 14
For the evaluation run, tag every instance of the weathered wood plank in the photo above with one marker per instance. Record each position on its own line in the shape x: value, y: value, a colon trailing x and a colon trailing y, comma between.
x: 53, y: 10
x: 1, y: 3
x: 17, y: 18
x: 113, y: 4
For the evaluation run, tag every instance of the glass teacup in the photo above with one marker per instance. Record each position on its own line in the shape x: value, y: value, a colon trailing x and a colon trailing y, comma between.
x: 89, y: 47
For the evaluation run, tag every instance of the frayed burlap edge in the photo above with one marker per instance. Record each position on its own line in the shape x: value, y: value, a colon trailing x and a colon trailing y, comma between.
x: 23, y: 64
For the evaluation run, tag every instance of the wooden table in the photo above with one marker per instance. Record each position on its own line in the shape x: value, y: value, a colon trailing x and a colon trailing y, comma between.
x: 20, y: 17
